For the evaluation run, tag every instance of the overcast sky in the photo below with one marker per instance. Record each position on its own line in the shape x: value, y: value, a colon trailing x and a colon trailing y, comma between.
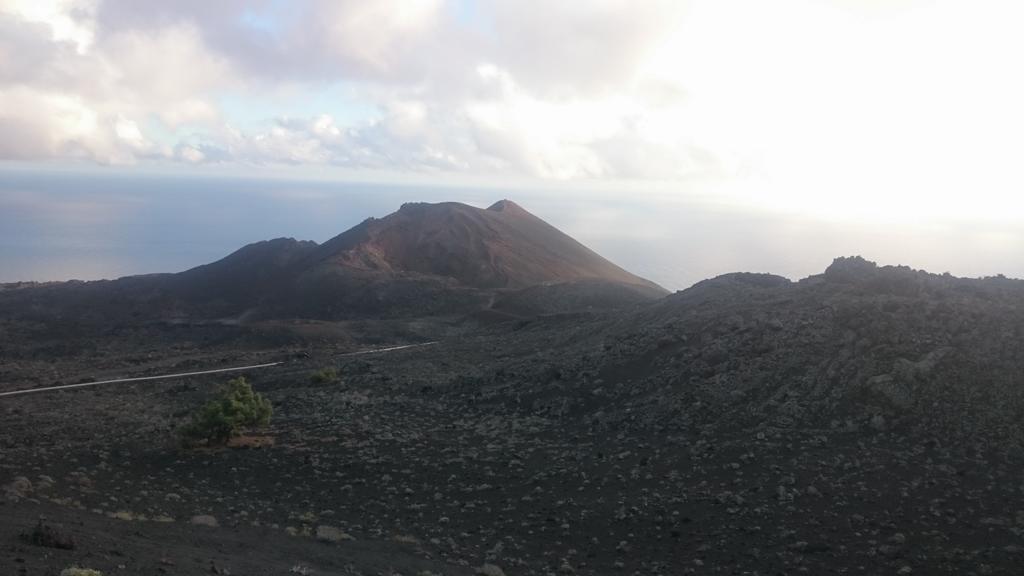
x: 905, y: 111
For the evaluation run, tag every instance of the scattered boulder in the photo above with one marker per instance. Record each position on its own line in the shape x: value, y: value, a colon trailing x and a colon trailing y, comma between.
x: 331, y: 534
x: 204, y: 520
x: 490, y: 570
x: 44, y: 483
x: 20, y: 488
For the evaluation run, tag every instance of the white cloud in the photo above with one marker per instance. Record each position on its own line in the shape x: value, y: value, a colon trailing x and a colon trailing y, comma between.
x: 377, y: 37
x: 168, y: 72
x: 40, y: 125
x: 580, y: 48
x: 68, y: 20
x: 91, y: 96
x: 191, y: 154
x: 532, y: 88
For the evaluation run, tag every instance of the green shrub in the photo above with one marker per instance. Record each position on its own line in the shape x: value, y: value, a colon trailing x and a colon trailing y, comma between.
x: 324, y: 376
x: 236, y: 408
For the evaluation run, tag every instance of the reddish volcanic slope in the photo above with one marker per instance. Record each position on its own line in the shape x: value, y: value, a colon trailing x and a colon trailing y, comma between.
x: 503, y: 246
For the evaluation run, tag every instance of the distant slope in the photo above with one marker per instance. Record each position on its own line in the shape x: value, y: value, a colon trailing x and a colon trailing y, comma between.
x: 579, y: 296
x: 859, y: 347
x: 243, y: 279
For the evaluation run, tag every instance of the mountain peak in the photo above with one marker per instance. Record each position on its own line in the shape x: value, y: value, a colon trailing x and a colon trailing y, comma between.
x: 501, y: 247
x: 507, y: 206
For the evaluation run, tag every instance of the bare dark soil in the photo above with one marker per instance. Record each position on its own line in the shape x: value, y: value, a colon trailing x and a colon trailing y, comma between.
x: 116, y: 546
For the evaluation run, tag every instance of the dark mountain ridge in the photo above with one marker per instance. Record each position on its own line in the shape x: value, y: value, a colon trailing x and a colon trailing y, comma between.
x: 857, y: 347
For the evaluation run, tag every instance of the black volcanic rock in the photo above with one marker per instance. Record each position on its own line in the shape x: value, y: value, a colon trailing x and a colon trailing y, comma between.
x: 580, y: 296
x: 920, y: 352
x: 850, y: 269
x: 735, y: 284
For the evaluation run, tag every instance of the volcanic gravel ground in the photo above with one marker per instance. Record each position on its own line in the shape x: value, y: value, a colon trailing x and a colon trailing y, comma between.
x: 488, y: 450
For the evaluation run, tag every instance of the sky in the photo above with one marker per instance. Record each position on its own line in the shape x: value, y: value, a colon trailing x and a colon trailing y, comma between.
x: 903, y: 115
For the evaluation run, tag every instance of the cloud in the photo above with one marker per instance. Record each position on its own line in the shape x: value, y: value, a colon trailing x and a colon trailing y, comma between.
x: 578, y: 48
x: 25, y: 49
x: 168, y: 72
x: 39, y: 124
x: 553, y: 90
x: 304, y: 40
x: 67, y: 91
x: 68, y: 21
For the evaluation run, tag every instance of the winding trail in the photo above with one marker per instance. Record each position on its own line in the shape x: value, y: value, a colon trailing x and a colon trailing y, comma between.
x: 388, y: 349
x: 138, y: 379
x: 200, y: 372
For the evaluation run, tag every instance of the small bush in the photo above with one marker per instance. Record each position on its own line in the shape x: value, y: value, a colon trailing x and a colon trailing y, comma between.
x: 325, y: 376
x: 220, y: 419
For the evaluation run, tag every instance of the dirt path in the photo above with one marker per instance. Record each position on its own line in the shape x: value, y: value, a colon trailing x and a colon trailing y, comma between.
x: 199, y: 372
x: 140, y: 379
